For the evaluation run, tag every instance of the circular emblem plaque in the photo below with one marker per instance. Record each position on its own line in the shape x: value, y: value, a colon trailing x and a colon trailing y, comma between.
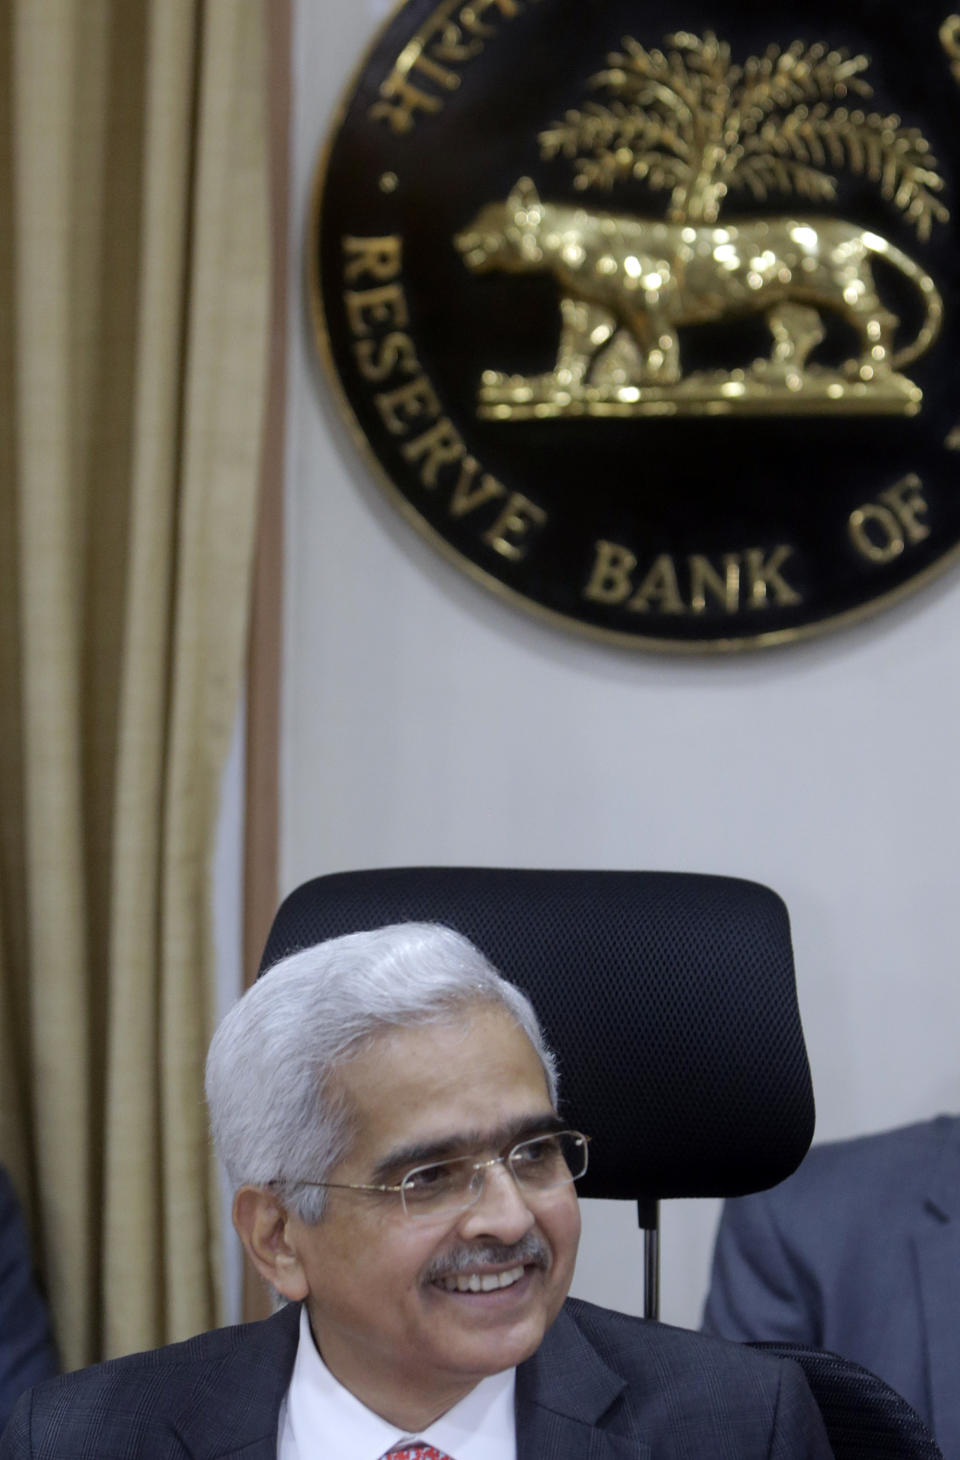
x: 647, y: 315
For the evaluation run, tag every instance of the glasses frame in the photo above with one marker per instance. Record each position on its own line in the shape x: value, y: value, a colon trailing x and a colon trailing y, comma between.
x: 478, y: 1168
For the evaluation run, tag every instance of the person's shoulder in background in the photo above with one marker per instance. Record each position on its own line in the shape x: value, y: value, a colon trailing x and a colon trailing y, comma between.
x: 893, y: 1161
x: 27, y: 1350
x: 784, y: 1256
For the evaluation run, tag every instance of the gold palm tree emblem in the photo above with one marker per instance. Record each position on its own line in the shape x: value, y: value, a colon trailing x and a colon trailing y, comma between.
x: 689, y: 120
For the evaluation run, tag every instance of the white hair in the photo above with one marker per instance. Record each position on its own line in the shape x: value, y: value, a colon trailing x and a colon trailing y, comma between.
x: 273, y: 1115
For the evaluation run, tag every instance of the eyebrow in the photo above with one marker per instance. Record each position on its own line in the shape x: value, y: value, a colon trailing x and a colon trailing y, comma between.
x: 463, y: 1143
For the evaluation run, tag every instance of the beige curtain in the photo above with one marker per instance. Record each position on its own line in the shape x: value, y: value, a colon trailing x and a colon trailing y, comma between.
x: 134, y: 313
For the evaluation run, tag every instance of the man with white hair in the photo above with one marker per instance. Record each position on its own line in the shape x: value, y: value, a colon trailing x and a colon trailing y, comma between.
x: 386, y: 1110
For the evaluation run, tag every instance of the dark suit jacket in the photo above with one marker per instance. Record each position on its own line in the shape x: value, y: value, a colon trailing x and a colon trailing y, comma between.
x: 601, y: 1387
x: 858, y: 1251
x: 27, y: 1353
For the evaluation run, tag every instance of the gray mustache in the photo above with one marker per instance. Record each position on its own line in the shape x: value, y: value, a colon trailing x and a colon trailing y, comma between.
x: 531, y: 1249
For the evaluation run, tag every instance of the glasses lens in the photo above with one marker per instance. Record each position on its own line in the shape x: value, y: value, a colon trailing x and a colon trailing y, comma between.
x: 443, y: 1187
x: 549, y: 1160
x: 448, y: 1187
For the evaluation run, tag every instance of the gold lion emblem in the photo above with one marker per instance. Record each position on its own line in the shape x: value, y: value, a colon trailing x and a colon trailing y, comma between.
x: 627, y: 285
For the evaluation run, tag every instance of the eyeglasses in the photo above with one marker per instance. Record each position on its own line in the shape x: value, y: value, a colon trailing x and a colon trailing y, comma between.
x: 446, y: 1188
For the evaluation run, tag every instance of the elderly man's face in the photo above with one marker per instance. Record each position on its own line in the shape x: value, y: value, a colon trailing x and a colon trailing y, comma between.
x: 400, y: 1337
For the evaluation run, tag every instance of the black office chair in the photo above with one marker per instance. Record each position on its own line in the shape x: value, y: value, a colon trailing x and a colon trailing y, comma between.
x: 864, y: 1418
x: 669, y: 999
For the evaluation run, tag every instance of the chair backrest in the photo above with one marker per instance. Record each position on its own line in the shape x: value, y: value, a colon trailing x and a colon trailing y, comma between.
x: 865, y: 1419
x: 669, y: 999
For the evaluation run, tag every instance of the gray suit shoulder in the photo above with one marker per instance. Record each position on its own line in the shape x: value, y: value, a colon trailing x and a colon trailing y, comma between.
x: 821, y: 1258
x: 893, y: 1162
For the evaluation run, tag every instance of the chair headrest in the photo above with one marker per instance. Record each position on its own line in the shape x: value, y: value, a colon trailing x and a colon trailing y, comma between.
x: 668, y: 997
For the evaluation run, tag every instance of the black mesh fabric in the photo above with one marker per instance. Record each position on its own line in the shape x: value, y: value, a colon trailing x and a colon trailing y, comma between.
x: 668, y: 997
x: 865, y: 1419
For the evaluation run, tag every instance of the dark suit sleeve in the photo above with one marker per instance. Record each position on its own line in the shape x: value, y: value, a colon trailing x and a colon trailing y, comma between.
x: 27, y: 1352
x: 759, y: 1285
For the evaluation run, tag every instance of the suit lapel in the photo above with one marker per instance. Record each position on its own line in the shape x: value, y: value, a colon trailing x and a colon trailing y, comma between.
x: 563, y: 1391
x: 937, y: 1247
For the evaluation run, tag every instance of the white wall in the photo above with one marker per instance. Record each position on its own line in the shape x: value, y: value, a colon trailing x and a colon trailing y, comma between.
x: 424, y: 721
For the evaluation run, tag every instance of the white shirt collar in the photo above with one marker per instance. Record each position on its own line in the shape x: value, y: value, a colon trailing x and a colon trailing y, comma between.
x: 321, y: 1420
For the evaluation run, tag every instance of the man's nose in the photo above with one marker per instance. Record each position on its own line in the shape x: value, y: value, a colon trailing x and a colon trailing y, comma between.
x: 501, y: 1210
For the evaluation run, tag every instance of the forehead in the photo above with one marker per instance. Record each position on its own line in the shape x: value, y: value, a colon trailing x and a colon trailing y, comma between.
x: 471, y: 1074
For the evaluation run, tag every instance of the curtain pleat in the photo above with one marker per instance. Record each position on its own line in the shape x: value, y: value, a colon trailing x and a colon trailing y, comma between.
x: 230, y: 307
x: 134, y: 1269
x: 133, y: 167
x: 50, y: 374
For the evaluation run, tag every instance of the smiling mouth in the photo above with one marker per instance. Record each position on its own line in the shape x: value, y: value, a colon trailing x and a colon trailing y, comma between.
x: 481, y: 1282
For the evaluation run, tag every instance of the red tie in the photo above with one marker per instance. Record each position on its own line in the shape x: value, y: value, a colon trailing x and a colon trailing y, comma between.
x: 417, y: 1452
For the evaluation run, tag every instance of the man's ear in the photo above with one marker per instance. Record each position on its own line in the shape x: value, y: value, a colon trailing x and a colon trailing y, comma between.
x: 262, y: 1223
